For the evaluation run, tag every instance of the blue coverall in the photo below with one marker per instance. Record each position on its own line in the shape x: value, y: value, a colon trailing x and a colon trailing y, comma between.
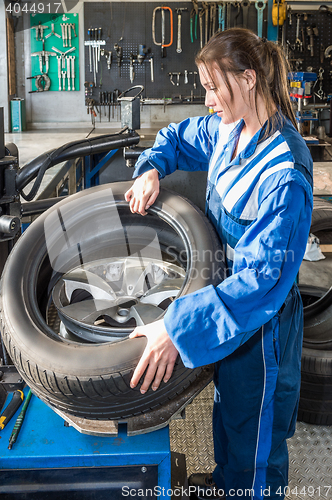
x: 250, y: 325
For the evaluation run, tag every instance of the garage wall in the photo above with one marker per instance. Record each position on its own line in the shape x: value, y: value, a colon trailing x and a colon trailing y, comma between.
x: 55, y: 109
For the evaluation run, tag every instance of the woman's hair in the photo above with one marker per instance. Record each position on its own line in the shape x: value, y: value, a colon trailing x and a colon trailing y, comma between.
x: 238, y: 49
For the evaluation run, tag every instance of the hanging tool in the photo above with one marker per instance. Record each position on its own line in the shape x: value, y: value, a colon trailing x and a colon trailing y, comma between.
x: 206, y: 6
x: 142, y: 53
x: 162, y: 44
x: 116, y: 97
x: 151, y: 69
x: 69, y: 26
x: 63, y: 74
x: 111, y: 100
x: 260, y: 6
x: 298, y: 42
x: 310, y: 33
x: 279, y: 12
x: 193, y: 24
x: 213, y: 17
x: 178, y: 45
x: 72, y: 62
x: 320, y: 92
x: 40, y: 30
x: 100, y: 36
x: 221, y: 16
x: 119, y: 55
x: 108, y: 56
x: 90, y: 57
x: 171, y: 78
x: 43, y: 59
x: 59, y: 71
x: 63, y: 34
x: 245, y: 4
x: 43, y: 83
x: 131, y: 67
x: 52, y: 33
x: 63, y: 54
x: 204, y: 12
x: 19, y: 421
x: 11, y: 408
x: 238, y: 6
x: 95, y: 49
x: 68, y: 72
x: 228, y: 14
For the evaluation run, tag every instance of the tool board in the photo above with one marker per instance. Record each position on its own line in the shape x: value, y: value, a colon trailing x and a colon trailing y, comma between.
x: 130, y: 24
x: 54, y: 41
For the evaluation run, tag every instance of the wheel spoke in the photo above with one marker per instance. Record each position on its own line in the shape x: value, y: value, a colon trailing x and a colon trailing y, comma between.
x: 89, y: 310
x: 165, y: 290
x: 145, y: 313
x: 82, y: 279
x: 134, y: 277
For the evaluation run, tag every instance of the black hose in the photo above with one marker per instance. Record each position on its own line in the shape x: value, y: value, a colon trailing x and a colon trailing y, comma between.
x: 37, y: 207
x: 37, y: 167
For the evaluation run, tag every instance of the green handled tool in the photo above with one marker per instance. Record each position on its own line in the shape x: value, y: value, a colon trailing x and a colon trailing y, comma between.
x: 19, y: 421
x: 11, y: 408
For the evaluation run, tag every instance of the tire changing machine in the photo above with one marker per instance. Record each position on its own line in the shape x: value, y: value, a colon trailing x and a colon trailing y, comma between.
x: 58, y: 456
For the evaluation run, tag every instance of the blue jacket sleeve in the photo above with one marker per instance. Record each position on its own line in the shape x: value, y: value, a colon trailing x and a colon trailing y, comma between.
x: 210, y: 324
x: 185, y: 146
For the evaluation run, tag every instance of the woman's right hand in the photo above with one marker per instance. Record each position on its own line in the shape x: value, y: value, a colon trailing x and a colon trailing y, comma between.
x: 143, y: 193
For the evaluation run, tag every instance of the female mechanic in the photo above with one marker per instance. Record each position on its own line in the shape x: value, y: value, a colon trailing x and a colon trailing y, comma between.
x: 259, y: 199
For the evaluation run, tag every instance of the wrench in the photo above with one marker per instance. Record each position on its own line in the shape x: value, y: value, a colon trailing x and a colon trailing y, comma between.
x: 59, y: 70
x: 238, y: 6
x: 228, y: 14
x: 221, y: 16
x: 63, y: 73
x: 260, y: 6
x: 298, y: 42
x: 68, y: 70
x: 245, y: 9
x: 178, y: 47
x: 72, y: 61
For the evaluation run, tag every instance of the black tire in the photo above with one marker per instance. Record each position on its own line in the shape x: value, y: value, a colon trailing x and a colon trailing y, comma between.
x: 85, y: 379
x: 315, y: 406
x: 317, y: 332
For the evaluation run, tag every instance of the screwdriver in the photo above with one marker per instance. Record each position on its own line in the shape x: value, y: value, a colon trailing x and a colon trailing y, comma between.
x: 11, y: 408
x: 19, y: 421
x: 90, y: 38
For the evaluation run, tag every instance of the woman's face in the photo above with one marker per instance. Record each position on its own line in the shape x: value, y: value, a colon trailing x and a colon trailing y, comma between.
x: 218, y: 96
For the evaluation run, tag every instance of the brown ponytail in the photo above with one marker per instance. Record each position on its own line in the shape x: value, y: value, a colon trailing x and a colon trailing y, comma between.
x: 238, y: 49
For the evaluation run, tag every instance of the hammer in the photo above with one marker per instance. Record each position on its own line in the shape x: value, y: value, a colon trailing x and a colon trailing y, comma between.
x: 178, y: 46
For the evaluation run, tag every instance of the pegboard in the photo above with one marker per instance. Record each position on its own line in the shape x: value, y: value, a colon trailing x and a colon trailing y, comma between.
x: 302, y: 60
x: 130, y: 24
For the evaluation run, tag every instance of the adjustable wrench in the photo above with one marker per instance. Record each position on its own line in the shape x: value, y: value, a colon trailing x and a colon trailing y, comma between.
x: 260, y: 6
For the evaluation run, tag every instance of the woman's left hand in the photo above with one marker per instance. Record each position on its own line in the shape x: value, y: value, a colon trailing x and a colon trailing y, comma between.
x: 159, y: 356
